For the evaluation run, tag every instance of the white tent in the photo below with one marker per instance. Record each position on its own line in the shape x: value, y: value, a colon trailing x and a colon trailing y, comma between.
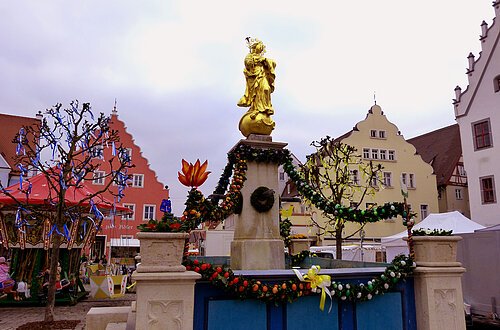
x: 455, y: 221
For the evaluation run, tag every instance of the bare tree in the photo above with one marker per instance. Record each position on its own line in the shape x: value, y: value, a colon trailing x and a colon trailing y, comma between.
x: 72, y: 140
x: 338, y: 175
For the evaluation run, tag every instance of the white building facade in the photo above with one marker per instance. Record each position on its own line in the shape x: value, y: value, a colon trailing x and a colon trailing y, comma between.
x: 477, y: 112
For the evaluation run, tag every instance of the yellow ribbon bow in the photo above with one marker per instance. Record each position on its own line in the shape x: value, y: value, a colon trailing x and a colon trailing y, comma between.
x: 318, y: 282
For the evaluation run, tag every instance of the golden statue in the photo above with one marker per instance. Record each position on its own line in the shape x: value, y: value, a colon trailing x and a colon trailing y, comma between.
x: 259, y: 75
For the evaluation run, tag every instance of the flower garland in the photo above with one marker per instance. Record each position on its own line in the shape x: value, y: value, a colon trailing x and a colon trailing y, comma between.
x: 199, y: 209
x: 290, y: 290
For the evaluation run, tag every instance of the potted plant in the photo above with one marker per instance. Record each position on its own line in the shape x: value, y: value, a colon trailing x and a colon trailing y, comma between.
x: 435, y: 247
x: 299, y: 243
x: 163, y: 241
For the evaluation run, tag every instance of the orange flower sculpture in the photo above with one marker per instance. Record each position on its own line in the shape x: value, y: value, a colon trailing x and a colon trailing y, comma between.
x: 193, y: 175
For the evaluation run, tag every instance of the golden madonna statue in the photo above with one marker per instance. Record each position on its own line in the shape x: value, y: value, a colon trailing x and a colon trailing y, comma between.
x: 259, y: 75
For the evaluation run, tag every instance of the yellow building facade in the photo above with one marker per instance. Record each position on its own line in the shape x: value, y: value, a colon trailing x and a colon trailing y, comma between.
x: 378, y: 140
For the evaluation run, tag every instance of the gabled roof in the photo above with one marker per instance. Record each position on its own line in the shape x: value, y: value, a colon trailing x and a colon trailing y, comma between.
x: 10, y: 126
x: 441, y: 149
x: 488, y: 58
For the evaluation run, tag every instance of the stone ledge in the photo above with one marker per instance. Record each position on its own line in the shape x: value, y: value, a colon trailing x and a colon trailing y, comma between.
x: 98, y: 318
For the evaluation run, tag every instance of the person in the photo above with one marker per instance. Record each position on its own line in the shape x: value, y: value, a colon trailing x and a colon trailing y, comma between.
x: 103, y: 260
x: 4, y: 270
x: 259, y: 74
x: 7, y: 284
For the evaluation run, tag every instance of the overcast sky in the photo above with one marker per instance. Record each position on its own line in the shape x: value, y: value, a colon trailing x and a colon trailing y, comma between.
x: 175, y: 67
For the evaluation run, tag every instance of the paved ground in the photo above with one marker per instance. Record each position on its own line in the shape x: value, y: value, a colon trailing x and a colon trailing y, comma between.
x: 12, y: 317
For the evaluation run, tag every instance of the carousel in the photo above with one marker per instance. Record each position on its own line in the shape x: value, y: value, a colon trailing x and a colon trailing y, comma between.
x: 27, y: 229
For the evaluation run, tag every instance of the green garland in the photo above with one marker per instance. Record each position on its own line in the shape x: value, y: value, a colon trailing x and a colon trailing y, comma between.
x: 199, y: 210
x: 285, y: 225
x: 290, y: 290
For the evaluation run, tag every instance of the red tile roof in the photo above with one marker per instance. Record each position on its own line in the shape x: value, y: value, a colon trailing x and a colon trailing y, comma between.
x: 9, y: 127
x: 441, y: 149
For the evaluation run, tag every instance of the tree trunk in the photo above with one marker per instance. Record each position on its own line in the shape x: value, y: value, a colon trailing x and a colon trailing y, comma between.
x: 338, y: 242
x: 51, y: 295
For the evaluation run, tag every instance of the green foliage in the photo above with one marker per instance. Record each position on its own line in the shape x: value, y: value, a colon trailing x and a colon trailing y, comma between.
x: 431, y: 232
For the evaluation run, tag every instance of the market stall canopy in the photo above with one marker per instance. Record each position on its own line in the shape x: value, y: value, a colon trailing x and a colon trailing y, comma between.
x: 42, y: 194
x: 454, y: 221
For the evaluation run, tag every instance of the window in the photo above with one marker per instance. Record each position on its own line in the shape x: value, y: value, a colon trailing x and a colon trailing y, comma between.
x: 381, y: 134
x: 392, y: 155
x: 461, y: 170
x: 482, y: 134
x: 149, y: 212
x: 374, y: 182
x: 126, y: 236
x: 373, y: 133
x: 355, y: 176
x: 282, y: 176
x: 138, y: 180
x: 403, y: 179
x: 424, y: 211
x: 388, y: 179
x: 97, y: 151
x: 131, y: 215
x: 366, y: 153
x: 98, y: 177
x: 383, y: 154
x: 126, y: 154
x: 458, y: 193
x: 411, y: 182
x: 487, y: 190
x: 374, y: 153
x: 496, y: 83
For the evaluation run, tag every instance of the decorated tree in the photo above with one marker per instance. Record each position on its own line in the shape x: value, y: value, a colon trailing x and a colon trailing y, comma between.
x: 339, y: 177
x: 66, y: 149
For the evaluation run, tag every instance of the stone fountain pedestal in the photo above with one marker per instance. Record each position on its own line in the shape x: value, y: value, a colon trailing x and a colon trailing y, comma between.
x: 257, y: 243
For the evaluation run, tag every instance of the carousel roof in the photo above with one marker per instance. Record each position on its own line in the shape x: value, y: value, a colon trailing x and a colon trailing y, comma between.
x: 40, y: 193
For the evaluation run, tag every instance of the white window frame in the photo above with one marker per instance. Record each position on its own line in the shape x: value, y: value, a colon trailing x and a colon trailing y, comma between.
x: 404, y: 179
x: 144, y: 215
x: 129, y: 217
x: 383, y: 154
x: 458, y: 194
x: 387, y: 179
x: 373, y: 133
x: 366, y: 153
x: 98, y: 178
x: 381, y: 134
x: 97, y: 151
x: 412, y: 184
x: 424, y: 211
x: 374, y: 154
x: 391, y: 155
x: 138, y: 175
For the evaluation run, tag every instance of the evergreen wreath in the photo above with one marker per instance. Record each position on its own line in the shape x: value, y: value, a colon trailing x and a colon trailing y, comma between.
x: 262, y: 199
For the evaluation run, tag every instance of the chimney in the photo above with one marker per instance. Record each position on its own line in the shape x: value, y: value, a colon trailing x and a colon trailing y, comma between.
x: 39, y: 115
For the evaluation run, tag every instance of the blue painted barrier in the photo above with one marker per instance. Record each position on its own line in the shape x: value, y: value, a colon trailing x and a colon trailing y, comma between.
x: 215, y: 309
